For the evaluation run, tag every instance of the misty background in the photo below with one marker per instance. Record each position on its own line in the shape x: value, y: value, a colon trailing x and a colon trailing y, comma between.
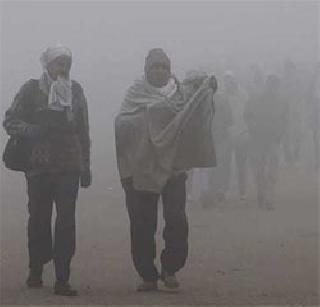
x: 238, y: 253
x: 109, y: 41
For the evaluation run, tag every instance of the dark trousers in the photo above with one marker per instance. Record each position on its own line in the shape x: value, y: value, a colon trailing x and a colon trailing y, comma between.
x: 43, y: 190
x: 142, y: 208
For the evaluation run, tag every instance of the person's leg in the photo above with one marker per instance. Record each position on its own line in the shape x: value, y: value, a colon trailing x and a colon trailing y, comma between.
x: 66, y: 192
x: 257, y: 163
x: 189, y: 186
x: 39, y: 190
x: 261, y: 179
x: 287, y: 151
x: 175, y: 234
x: 316, y: 141
x: 142, y: 210
x: 297, y: 138
x: 224, y: 168
x: 272, y: 174
x: 241, y: 165
x: 207, y: 196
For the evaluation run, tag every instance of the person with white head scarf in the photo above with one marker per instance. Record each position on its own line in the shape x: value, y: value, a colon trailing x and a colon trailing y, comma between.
x: 51, y: 115
x: 57, y: 82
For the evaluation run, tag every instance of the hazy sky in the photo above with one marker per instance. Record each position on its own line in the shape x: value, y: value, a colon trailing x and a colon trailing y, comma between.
x: 109, y: 41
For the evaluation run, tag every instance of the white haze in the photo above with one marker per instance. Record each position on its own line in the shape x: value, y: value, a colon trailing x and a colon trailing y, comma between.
x: 109, y: 41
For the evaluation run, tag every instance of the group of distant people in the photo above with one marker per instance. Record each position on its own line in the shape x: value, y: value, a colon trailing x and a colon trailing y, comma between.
x: 164, y: 129
x: 258, y: 122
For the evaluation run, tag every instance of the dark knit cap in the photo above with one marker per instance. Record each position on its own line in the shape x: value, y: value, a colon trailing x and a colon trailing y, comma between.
x: 156, y: 56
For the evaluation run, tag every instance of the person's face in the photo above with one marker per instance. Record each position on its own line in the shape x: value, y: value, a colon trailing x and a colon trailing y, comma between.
x: 289, y: 70
x: 230, y: 84
x: 158, y: 75
x: 272, y: 85
x: 59, y: 67
x: 257, y: 78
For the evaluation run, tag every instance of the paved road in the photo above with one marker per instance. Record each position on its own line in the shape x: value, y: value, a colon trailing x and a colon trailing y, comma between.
x: 238, y: 253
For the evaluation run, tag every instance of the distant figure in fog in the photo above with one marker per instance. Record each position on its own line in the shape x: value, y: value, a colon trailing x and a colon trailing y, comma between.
x: 219, y: 177
x: 266, y: 118
x: 160, y: 135
x: 292, y: 93
x: 255, y: 82
x: 235, y: 96
x: 51, y: 114
x: 313, y: 100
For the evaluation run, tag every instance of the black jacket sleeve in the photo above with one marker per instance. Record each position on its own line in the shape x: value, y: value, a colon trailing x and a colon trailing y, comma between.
x: 16, y: 117
x: 83, y: 126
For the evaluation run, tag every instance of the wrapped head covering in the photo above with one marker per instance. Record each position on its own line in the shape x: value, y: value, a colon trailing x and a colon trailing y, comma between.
x: 59, y: 91
x: 229, y: 74
x: 156, y: 56
x: 272, y: 82
x: 54, y: 52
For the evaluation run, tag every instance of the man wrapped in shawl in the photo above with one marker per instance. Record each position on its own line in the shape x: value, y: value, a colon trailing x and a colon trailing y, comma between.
x: 160, y: 135
x: 51, y: 113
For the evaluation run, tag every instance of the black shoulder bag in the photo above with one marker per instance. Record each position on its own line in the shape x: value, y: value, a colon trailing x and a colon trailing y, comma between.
x: 17, y: 152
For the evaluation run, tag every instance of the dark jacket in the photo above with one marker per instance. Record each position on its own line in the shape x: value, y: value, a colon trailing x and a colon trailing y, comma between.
x: 59, y: 144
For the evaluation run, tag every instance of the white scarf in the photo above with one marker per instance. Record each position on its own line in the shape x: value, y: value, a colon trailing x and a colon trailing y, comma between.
x: 60, y: 95
x: 167, y: 91
x: 59, y: 91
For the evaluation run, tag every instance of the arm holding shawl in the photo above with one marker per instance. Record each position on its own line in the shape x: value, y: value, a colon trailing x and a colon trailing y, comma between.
x: 185, y: 140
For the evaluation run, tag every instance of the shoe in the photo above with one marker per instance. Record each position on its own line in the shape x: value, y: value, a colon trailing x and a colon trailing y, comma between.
x: 64, y: 289
x: 269, y: 205
x: 145, y: 286
x: 243, y: 197
x: 220, y: 197
x: 170, y: 281
x: 34, y: 279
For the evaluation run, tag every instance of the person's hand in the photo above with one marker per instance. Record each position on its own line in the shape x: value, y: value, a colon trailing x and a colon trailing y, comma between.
x: 213, y: 83
x: 21, y: 128
x: 16, y: 128
x: 85, y: 178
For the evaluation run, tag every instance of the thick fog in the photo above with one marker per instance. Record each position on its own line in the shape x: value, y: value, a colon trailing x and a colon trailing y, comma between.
x: 110, y: 40
x: 239, y: 254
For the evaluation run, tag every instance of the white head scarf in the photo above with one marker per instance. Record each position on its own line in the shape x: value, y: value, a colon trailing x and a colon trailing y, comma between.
x: 52, y: 53
x: 59, y: 91
x: 167, y: 90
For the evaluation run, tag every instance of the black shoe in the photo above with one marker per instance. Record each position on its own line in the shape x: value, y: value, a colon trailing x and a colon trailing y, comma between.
x: 269, y: 205
x: 145, y: 286
x: 170, y: 281
x: 34, y: 279
x: 221, y: 197
x: 64, y: 289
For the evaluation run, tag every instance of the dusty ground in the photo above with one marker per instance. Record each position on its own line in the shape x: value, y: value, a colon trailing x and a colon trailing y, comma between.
x: 239, y: 255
